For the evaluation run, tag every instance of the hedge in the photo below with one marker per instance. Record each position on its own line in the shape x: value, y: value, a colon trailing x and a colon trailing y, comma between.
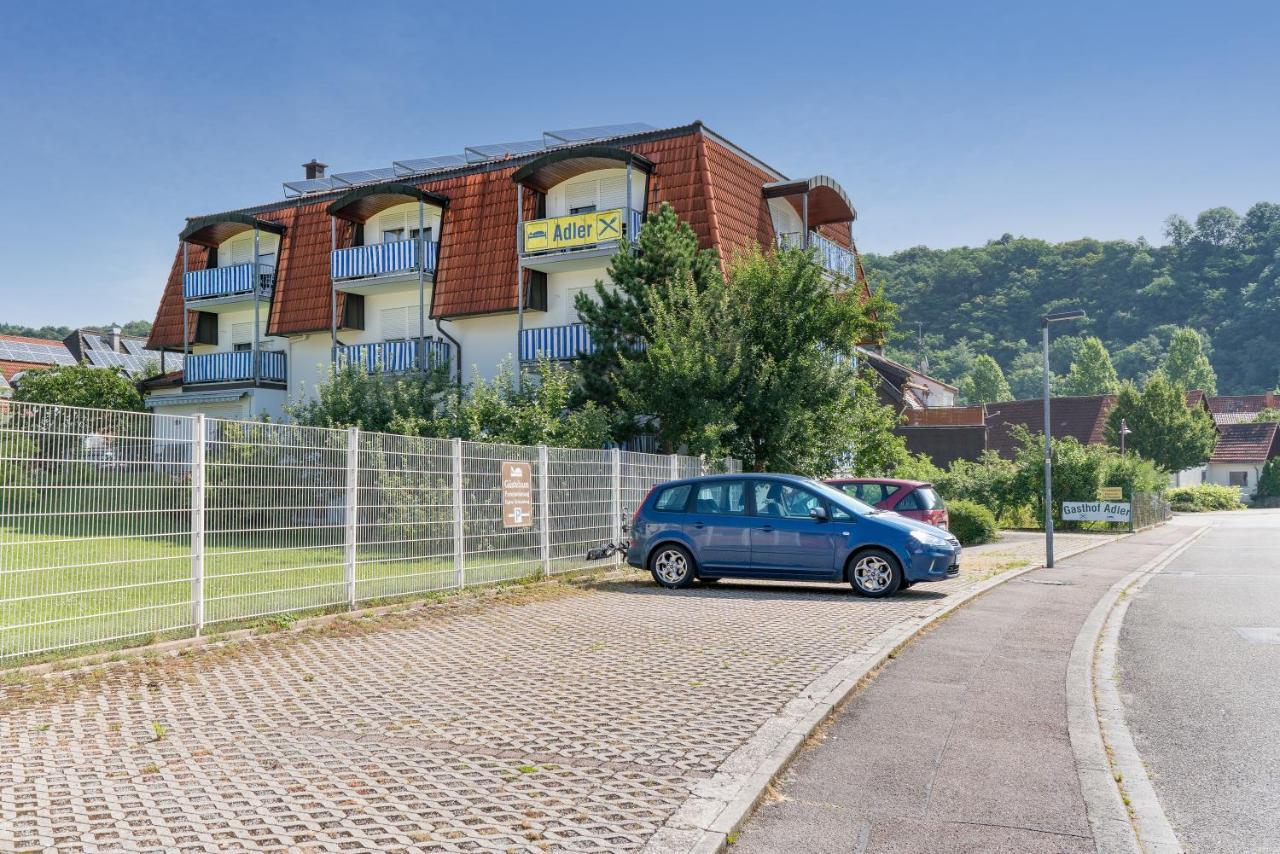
x: 972, y: 523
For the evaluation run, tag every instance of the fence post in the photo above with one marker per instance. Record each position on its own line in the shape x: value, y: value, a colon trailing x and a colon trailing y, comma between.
x: 544, y: 508
x: 675, y: 466
x: 197, y: 523
x: 616, y: 460
x: 350, y: 514
x: 459, y: 543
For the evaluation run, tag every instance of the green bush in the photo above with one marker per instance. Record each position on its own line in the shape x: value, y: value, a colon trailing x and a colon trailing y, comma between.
x: 1206, y: 496
x: 987, y: 481
x: 972, y: 523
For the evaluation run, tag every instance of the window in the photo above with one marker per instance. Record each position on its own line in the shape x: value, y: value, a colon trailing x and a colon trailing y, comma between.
x: 241, y: 336
x: 784, y: 501
x: 871, y: 493
x: 426, y: 234
x: 397, y: 323
x: 240, y: 348
x: 571, y: 294
x: 721, y: 497
x: 673, y: 499
x: 1238, y: 478
x: 924, y: 498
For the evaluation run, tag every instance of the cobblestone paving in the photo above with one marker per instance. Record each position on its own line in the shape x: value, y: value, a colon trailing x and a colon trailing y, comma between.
x: 567, y: 723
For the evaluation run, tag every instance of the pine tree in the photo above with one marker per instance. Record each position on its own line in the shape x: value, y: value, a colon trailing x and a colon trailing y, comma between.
x: 985, y: 383
x: 1091, y: 370
x: 1187, y: 366
x: 618, y: 316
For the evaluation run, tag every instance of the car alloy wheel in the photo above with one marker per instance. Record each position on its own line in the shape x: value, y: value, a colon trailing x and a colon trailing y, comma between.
x: 873, y: 574
x: 672, y: 566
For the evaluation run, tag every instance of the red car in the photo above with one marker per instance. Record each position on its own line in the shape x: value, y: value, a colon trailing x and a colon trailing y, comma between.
x: 909, y: 497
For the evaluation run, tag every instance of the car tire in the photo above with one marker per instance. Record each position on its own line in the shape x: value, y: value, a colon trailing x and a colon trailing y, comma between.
x: 672, y: 566
x: 875, y: 573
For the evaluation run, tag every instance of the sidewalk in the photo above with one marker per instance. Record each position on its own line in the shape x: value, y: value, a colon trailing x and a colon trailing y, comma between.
x: 961, y: 742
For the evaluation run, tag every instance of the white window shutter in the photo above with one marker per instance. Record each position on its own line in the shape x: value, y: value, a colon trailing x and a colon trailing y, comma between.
x: 395, y: 323
x: 613, y: 192
x: 241, y: 333
x: 241, y: 250
x: 580, y: 194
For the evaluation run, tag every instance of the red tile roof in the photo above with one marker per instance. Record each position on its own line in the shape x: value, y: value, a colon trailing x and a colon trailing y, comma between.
x: 1229, y: 408
x: 709, y: 184
x: 1084, y: 418
x: 9, y: 368
x: 24, y: 339
x: 1246, y: 443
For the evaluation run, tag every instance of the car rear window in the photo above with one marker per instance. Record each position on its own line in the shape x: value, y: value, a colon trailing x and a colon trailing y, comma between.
x: 924, y: 498
x: 673, y: 499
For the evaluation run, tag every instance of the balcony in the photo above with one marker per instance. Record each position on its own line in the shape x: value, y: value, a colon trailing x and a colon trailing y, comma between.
x: 364, y: 268
x: 575, y: 241
x: 235, y: 366
x: 393, y: 357
x: 831, y: 255
x: 227, y: 284
x: 555, y: 342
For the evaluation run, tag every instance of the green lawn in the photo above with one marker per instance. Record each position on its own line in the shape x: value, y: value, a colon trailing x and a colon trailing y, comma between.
x: 66, y: 591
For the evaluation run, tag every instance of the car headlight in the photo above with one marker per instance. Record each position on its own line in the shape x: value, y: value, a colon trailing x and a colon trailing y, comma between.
x: 933, y: 541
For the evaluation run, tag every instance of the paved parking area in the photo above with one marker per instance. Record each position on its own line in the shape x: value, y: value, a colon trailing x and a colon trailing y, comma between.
x: 562, y: 720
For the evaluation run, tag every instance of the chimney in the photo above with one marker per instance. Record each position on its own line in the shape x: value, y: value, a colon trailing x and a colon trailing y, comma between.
x: 115, y: 338
x: 315, y: 169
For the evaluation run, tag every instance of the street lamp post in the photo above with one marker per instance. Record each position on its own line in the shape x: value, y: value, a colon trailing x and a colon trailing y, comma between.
x: 1055, y: 317
x: 1124, y: 431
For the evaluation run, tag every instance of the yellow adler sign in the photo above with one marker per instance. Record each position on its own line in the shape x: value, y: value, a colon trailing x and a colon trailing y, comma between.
x: 566, y: 232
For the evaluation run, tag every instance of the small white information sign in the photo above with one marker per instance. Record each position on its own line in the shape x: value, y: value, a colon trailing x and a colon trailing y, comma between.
x: 1096, y: 511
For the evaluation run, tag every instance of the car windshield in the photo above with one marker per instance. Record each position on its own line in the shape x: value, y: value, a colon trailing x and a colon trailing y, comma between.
x: 844, y: 499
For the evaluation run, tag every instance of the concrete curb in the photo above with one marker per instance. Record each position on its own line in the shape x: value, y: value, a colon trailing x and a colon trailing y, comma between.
x: 719, y: 806
x: 1124, y: 812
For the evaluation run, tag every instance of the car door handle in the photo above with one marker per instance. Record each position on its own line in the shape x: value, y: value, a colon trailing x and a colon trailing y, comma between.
x: 765, y: 528
x: 699, y: 525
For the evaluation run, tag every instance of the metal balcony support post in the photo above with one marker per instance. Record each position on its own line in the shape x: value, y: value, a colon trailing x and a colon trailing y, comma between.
x: 197, y: 523
x: 804, y: 215
x: 544, y: 508
x: 186, y: 315
x: 519, y: 284
x: 257, y: 286
x: 333, y: 295
x: 421, y: 287
x: 351, y: 513
x: 626, y: 215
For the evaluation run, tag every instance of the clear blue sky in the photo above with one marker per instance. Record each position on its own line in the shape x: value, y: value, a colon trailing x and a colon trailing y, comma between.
x: 948, y: 123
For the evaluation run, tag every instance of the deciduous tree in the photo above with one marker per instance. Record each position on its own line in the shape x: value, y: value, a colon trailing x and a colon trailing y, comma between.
x: 1091, y: 371
x: 985, y: 382
x: 1163, y: 428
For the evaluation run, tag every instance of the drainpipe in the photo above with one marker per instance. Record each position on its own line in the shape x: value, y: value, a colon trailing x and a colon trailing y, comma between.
x: 804, y: 214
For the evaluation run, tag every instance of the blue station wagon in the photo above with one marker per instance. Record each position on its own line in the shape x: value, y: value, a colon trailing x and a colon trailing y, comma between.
x: 772, y: 526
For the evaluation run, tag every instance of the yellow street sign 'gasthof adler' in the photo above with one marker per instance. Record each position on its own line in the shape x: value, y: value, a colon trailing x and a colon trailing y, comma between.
x: 568, y: 232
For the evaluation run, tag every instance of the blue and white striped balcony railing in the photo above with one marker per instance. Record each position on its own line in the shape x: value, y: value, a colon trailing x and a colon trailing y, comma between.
x: 236, y: 366
x: 392, y: 357
x: 382, y: 259
x: 236, y: 280
x: 831, y: 255
x: 555, y: 342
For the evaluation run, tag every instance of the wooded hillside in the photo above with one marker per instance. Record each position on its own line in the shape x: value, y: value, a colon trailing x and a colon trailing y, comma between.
x: 1219, y: 275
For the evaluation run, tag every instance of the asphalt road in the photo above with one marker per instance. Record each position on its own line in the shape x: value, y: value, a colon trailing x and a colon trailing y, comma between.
x: 1199, y: 667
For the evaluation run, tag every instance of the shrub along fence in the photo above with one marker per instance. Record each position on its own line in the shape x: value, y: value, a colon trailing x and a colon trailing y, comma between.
x: 119, y: 528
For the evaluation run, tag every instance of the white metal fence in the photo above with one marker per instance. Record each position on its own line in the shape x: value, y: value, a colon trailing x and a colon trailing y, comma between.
x: 123, y: 527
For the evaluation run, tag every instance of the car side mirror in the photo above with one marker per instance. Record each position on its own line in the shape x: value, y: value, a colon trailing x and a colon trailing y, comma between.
x: 818, y: 513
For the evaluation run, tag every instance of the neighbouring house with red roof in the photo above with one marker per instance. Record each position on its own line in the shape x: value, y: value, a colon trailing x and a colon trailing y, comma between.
x: 1242, y: 451
x: 1241, y: 408
x: 468, y: 259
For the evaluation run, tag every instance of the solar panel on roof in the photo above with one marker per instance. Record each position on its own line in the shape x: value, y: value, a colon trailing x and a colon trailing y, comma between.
x: 427, y: 164
x: 363, y: 176
x: 312, y: 185
x: 48, y: 354
x: 559, y: 137
x: 480, y: 153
